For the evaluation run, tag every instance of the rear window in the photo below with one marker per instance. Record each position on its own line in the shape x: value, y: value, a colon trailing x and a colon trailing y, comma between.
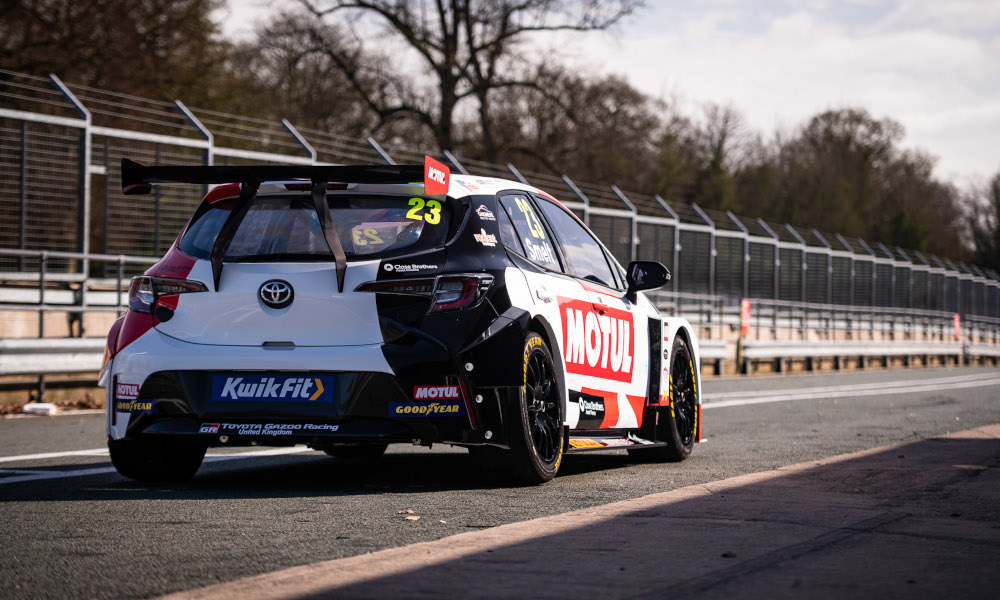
x: 287, y: 228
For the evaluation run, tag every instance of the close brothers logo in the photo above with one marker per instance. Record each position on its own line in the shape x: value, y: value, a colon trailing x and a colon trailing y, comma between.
x: 597, y: 345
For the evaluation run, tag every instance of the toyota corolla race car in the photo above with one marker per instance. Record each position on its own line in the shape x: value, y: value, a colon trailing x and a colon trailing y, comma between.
x: 350, y: 307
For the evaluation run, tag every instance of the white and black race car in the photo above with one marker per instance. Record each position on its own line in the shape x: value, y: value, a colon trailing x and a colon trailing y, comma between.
x: 350, y: 307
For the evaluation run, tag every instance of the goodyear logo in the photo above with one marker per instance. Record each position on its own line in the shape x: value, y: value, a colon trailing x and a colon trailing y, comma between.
x: 275, y: 388
x: 134, y: 406
x: 428, y: 409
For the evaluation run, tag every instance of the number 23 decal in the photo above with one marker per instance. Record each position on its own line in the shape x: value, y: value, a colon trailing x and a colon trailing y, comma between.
x: 365, y: 237
x: 432, y: 214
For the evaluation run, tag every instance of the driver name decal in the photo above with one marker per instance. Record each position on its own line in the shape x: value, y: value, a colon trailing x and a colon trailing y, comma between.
x: 598, y: 345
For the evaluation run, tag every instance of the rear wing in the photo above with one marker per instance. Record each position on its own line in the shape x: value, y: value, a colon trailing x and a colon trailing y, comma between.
x: 138, y: 179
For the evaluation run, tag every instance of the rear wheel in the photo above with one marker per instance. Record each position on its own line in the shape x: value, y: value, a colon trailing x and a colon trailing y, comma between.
x: 678, y: 423
x: 357, y: 451
x: 536, y: 436
x: 157, y: 460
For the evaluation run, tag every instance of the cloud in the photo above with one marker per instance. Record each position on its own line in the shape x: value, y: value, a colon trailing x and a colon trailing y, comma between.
x: 927, y: 65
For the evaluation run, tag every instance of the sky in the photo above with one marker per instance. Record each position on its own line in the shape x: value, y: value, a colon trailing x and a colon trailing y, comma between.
x: 933, y: 66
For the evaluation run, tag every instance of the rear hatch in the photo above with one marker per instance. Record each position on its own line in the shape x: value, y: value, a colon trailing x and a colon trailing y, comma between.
x: 281, y: 240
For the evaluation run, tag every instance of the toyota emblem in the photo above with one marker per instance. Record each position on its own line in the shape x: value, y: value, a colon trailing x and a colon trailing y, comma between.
x: 276, y: 293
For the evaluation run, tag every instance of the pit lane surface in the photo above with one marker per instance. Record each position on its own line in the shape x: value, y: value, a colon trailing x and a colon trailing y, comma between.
x: 99, y: 535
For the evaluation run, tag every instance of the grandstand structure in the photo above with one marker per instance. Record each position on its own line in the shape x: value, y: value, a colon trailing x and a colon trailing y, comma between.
x: 64, y: 218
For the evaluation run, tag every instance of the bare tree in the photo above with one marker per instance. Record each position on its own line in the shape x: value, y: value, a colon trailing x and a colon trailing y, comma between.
x: 469, y: 49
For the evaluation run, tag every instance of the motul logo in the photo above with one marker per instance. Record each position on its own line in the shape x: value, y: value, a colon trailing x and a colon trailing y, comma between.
x: 597, y: 345
x: 435, y: 175
x: 439, y: 392
x: 127, y: 391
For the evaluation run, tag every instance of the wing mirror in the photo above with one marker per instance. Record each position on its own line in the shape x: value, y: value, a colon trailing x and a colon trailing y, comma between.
x: 645, y: 275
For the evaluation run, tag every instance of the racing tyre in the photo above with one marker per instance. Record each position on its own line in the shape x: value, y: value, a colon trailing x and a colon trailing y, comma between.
x: 536, y: 437
x: 679, y: 423
x: 157, y: 460
x: 357, y: 451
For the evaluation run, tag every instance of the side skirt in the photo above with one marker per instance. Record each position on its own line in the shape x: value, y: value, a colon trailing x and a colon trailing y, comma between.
x: 605, y: 440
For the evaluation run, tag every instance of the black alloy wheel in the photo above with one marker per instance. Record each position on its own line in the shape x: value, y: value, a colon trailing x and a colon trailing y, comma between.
x: 542, y: 402
x: 678, y: 423
x: 535, y: 420
x: 683, y: 396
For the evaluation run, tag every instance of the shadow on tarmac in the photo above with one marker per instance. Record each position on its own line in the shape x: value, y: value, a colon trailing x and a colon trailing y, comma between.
x: 921, y: 520
x: 294, y: 476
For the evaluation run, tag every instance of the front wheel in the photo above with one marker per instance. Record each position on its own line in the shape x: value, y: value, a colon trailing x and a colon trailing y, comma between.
x: 157, y: 460
x: 536, y: 436
x: 678, y: 423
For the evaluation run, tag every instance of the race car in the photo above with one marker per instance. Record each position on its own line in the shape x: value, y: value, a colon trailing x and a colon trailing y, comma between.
x: 351, y: 307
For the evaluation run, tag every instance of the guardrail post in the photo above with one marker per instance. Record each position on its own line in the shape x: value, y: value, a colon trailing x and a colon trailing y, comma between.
x: 121, y: 268
x: 42, y: 260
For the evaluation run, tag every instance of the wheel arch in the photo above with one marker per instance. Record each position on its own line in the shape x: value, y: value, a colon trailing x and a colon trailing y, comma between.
x: 542, y: 327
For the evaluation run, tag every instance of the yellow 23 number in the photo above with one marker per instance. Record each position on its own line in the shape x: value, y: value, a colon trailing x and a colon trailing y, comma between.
x: 432, y: 215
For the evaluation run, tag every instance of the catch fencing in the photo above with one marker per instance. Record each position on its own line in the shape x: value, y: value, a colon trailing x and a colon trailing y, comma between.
x: 60, y: 151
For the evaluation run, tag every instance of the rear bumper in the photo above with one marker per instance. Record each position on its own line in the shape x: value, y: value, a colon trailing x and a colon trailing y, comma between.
x: 370, y: 400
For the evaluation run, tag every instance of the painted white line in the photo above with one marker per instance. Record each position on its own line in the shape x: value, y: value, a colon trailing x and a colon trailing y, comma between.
x: 852, y: 387
x: 62, y: 413
x: 93, y: 452
x: 103, y: 470
x: 812, y: 395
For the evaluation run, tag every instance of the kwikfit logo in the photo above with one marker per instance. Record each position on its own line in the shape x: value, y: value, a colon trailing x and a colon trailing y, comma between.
x: 599, y: 345
x: 270, y: 388
x: 440, y: 392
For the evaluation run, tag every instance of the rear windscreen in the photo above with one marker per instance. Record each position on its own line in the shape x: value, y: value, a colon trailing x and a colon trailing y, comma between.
x: 287, y: 228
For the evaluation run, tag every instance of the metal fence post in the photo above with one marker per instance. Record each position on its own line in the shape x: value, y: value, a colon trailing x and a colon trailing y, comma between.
x: 24, y: 191
x: 83, y: 216
x: 382, y: 153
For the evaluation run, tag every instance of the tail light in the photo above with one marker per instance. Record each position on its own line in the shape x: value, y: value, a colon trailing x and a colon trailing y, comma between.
x: 446, y: 292
x: 145, y: 290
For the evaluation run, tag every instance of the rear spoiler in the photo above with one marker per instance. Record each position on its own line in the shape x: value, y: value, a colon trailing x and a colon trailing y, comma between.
x: 138, y: 179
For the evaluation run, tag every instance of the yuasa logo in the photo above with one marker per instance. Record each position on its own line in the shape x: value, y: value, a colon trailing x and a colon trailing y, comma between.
x: 487, y: 239
x: 440, y: 392
x: 597, y: 345
x: 127, y: 391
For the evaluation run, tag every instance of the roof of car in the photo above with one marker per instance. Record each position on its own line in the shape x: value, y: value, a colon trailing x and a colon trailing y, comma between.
x: 460, y: 186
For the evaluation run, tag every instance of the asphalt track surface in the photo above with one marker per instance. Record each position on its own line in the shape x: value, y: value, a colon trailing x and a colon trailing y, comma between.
x: 921, y: 515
